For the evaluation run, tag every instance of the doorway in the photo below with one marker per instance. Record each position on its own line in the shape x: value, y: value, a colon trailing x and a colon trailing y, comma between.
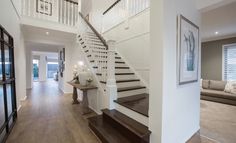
x: 8, y: 109
x: 35, y: 70
x: 52, y: 71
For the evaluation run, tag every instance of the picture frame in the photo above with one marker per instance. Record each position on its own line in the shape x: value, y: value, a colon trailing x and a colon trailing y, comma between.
x: 188, y: 51
x: 44, y: 7
x: 61, y: 61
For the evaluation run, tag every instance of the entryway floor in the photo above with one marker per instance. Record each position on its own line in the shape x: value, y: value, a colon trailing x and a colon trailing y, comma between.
x: 47, y: 116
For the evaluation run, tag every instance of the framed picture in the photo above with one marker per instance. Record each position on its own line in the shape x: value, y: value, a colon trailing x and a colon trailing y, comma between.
x: 62, y: 61
x: 188, y: 51
x: 44, y: 7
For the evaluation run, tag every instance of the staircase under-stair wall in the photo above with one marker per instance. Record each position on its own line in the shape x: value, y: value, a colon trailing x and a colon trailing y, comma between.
x: 128, y: 120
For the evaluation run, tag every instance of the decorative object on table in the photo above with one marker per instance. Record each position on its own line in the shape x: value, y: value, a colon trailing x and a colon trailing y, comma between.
x: 83, y: 76
x: 61, y: 61
x: 44, y: 7
x: 188, y: 51
x: 89, y: 81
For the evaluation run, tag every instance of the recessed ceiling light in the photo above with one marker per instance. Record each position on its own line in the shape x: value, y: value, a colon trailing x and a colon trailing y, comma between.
x: 216, y: 33
x: 47, y: 33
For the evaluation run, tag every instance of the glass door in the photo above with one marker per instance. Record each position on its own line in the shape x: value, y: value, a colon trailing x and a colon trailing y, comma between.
x: 8, y: 112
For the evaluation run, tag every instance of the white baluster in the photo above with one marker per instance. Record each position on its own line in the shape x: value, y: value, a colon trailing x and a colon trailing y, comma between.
x: 23, y: 8
x: 60, y: 10
x: 72, y: 14
x: 111, y: 87
x: 34, y: 9
x: 29, y: 1
x: 68, y: 11
x: 64, y: 12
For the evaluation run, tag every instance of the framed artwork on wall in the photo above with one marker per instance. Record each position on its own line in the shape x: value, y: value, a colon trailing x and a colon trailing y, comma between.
x: 188, y: 51
x: 44, y: 7
x: 61, y: 61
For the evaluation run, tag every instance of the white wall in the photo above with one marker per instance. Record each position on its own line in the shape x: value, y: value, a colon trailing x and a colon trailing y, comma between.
x: 133, y: 44
x: 86, y: 7
x: 29, y: 68
x: 96, y: 12
x: 174, y: 110
x: 11, y: 23
x: 42, y: 68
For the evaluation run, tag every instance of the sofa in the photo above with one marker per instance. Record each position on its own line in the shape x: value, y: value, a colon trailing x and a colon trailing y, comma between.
x: 213, y: 90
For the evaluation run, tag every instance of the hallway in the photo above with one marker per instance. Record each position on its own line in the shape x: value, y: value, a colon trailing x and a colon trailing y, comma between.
x: 47, y: 116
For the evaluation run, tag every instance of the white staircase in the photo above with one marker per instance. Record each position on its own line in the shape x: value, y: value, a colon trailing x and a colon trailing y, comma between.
x: 125, y: 83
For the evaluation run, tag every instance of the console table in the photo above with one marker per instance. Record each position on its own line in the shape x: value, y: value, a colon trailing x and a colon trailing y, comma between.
x: 85, y: 107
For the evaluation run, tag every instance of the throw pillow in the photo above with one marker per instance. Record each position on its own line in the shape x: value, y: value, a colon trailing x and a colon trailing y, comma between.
x: 205, y: 84
x: 228, y: 87
x: 217, y: 85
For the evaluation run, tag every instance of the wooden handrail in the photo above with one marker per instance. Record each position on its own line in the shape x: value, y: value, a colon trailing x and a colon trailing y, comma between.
x: 94, y: 30
x: 72, y: 2
x: 115, y: 3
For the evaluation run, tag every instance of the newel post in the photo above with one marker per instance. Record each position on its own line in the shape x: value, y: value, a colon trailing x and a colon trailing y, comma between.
x: 111, y: 87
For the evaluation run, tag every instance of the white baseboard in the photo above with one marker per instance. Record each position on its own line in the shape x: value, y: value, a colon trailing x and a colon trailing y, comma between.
x: 18, y: 109
x: 96, y: 111
x: 23, y: 99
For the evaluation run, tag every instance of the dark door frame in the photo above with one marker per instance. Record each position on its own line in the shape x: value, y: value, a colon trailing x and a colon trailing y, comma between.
x: 7, y: 42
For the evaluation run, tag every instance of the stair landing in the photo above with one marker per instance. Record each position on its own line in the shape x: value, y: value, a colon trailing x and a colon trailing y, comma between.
x: 138, y: 103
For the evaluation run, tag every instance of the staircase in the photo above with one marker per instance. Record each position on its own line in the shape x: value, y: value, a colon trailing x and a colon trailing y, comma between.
x: 131, y: 94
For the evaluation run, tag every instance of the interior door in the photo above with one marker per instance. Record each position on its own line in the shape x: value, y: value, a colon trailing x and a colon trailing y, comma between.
x: 8, y: 112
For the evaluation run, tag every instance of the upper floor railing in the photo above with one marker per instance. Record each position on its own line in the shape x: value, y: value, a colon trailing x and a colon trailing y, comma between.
x: 122, y: 10
x: 60, y: 11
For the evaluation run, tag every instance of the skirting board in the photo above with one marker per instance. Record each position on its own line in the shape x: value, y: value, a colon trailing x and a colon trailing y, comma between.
x: 18, y: 109
x: 23, y: 99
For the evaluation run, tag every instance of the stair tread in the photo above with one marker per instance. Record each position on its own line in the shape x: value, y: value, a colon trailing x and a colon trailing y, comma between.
x: 107, y: 131
x: 130, y: 88
x: 132, y: 125
x: 138, y: 103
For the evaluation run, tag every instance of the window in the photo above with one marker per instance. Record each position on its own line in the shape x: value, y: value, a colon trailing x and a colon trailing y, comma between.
x: 52, y: 69
x: 229, y: 62
x: 36, y: 69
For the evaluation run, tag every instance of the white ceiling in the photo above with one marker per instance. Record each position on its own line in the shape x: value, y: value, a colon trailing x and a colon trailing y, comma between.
x: 37, y: 34
x: 222, y: 20
x: 50, y: 55
x: 42, y: 47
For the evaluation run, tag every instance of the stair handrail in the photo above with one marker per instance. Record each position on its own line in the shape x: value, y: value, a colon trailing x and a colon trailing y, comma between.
x: 94, y: 30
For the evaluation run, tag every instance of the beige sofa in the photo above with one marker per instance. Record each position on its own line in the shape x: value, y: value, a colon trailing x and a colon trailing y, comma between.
x: 214, y: 91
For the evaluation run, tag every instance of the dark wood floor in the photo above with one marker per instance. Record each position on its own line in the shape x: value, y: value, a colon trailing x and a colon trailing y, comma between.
x: 47, y: 116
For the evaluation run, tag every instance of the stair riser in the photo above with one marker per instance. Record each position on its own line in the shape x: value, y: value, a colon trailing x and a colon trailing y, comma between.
x: 131, y: 92
x: 126, y: 84
x: 97, y: 133
x: 122, y: 70
x: 122, y: 77
x: 125, y: 77
x: 126, y: 132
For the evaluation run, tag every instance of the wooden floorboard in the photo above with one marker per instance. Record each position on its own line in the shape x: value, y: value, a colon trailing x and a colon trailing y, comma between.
x: 48, y: 116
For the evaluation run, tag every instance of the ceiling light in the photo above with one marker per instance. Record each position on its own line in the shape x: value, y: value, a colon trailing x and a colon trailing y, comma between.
x: 47, y: 33
x: 216, y: 33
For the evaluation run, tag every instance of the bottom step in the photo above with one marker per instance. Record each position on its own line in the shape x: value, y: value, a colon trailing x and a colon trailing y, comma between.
x: 115, y: 127
x: 105, y: 132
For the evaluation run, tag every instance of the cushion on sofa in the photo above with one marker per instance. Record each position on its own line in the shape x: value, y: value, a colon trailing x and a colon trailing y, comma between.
x: 217, y: 85
x: 205, y: 84
x: 218, y: 94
